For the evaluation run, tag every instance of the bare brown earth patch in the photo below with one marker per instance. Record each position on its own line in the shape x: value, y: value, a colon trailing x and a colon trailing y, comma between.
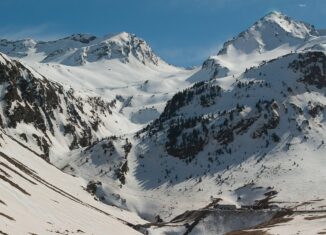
x: 7, y: 216
x: 4, y: 173
x: 254, y: 232
x: 14, y: 185
x: 31, y: 173
x: 315, y: 217
x: 317, y: 200
x: 16, y: 172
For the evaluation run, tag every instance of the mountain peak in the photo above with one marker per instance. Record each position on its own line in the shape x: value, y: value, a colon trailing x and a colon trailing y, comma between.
x: 274, y: 14
x: 129, y: 44
x: 122, y: 35
x: 78, y: 49
x: 298, y: 29
x: 275, y: 17
x: 273, y: 35
x: 270, y: 32
x: 123, y: 46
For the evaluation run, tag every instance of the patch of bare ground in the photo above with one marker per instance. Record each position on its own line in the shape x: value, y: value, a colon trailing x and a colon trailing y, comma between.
x: 302, y: 204
x: 14, y: 185
x: 317, y: 200
x: 31, y: 173
x: 2, y: 202
x: 7, y: 216
x: 16, y: 172
x: 315, y: 217
x: 4, y: 173
x: 321, y: 233
x: 254, y: 232
x: 3, y: 233
x: 29, y: 149
x: 17, y: 164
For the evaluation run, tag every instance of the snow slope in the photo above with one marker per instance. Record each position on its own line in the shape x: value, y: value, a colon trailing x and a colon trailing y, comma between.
x: 272, y: 36
x: 119, y: 68
x: 147, y: 87
x: 269, y: 124
x: 247, y: 129
x: 79, y: 49
x: 111, y: 96
x: 37, y: 198
x: 262, y: 136
x: 49, y: 118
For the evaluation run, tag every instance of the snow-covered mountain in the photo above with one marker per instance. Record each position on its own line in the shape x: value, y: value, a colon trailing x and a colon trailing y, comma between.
x: 79, y: 49
x: 230, y: 136
x: 272, y: 36
x: 269, y: 33
x: 166, y: 143
x: 254, y: 140
x: 119, y: 87
x: 47, y: 117
x: 37, y: 198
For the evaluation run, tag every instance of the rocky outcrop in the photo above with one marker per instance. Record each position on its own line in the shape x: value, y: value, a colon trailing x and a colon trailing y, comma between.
x: 31, y: 100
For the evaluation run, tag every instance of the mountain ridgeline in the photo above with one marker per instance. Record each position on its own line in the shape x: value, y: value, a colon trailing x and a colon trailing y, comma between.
x: 244, y: 130
x: 79, y: 49
x: 255, y: 108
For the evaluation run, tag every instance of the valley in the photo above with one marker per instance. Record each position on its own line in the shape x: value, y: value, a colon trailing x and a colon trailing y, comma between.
x: 100, y: 134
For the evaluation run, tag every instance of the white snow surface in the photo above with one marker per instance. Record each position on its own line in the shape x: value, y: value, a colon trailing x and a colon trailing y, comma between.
x: 252, y: 68
x: 272, y: 36
x: 54, y: 202
x: 120, y: 65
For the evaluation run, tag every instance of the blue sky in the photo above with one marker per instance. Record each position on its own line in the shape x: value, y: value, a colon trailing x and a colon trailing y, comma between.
x: 183, y: 32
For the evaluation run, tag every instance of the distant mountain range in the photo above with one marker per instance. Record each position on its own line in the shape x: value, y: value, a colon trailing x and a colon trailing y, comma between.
x: 79, y: 49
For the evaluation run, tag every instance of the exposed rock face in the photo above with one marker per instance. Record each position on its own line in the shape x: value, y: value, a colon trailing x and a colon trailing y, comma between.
x: 313, y: 68
x: 31, y: 100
